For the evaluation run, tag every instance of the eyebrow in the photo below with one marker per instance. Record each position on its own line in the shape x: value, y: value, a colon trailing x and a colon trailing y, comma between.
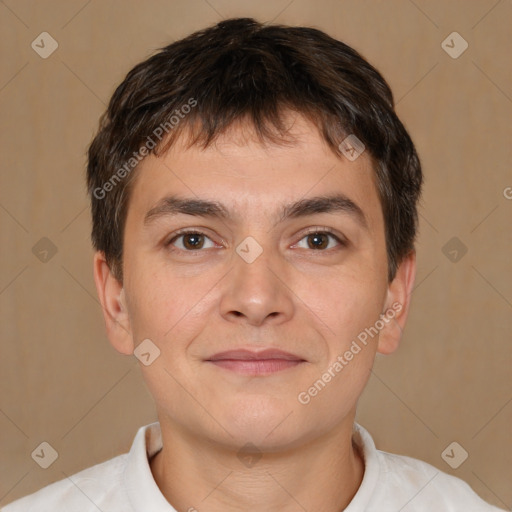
x: 338, y: 203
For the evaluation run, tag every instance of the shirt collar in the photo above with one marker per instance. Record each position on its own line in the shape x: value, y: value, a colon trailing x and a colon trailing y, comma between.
x: 364, y: 442
x: 140, y: 486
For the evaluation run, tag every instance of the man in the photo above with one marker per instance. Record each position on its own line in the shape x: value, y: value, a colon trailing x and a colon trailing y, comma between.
x: 254, y: 215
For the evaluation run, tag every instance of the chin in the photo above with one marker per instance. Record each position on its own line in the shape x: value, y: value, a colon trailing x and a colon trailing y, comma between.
x: 264, y: 421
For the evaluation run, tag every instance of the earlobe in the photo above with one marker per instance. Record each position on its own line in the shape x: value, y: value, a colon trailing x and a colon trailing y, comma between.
x: 397, y: 305
x: 113, y: 302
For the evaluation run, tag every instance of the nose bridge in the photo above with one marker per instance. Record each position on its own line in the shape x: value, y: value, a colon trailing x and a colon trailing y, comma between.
x: 256, y: 290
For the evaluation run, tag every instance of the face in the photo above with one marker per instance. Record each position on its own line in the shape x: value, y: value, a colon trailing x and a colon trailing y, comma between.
x: 291, y: 256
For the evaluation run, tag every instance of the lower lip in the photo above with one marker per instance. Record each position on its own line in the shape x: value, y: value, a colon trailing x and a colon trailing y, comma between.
x: 256, y: 366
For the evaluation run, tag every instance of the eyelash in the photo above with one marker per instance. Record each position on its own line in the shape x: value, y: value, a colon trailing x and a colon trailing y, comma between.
x: 317, y: 230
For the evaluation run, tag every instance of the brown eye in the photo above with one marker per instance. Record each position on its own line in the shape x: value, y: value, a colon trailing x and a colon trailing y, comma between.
x: 190, y: 241
x: 319, y: 240
x: 193, y: 241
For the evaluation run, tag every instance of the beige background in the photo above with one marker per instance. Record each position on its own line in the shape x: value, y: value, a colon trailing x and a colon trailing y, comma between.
x: 61, y: 381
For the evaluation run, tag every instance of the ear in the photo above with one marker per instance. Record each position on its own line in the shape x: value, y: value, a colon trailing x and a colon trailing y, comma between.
x: 397, y: 305
x: 111, y: 295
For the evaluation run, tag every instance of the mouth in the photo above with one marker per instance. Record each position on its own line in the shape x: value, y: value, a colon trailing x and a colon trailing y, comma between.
x: 247, y: 362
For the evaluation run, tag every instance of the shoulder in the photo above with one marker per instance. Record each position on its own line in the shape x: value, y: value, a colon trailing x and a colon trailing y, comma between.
x: 85, y: 491
x: 419, y: 486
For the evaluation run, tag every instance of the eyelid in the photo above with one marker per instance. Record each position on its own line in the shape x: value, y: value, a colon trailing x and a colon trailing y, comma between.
x: 187, y: 231
x: 322, y: 229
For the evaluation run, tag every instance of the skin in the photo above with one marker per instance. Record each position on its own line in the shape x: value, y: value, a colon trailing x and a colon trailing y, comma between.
x: 311, y: 302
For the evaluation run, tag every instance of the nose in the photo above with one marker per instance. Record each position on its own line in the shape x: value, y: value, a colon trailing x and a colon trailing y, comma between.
x: 257, y: 292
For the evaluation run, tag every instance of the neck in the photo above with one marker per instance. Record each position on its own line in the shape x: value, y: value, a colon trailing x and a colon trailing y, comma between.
x: 197, y: 474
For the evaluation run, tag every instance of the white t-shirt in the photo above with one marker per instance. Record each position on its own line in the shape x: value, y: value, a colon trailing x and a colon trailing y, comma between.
x: 125, y: 483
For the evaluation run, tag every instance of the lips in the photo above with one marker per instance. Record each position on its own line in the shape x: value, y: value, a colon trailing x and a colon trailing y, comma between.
x: 248, y: 355
x: 260, y: 363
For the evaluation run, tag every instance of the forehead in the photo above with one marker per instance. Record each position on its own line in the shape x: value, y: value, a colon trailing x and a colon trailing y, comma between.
x: 243, y: 173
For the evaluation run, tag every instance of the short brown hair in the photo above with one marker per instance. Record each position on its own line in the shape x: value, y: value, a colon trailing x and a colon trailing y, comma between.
x: 237, y: 70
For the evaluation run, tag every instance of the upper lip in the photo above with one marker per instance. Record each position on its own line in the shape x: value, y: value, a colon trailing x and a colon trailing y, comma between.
x: 249, y: 355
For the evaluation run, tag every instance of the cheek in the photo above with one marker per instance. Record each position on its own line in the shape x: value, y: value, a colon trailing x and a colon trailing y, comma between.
x: 347, y: 301
x: 162, y: 302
